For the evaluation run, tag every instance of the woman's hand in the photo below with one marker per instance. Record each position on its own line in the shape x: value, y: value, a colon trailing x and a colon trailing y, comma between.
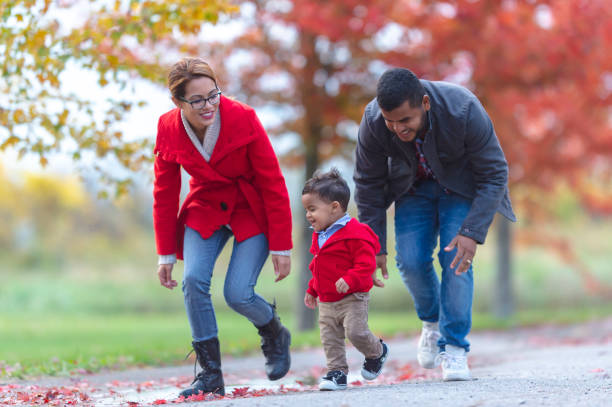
x: 310, y: 301
x: 164, y: 273
x: 282, y: 266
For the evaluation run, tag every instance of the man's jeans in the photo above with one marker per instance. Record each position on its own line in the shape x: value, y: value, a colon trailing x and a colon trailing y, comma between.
x: 420, y: 217
x: 245, y: 265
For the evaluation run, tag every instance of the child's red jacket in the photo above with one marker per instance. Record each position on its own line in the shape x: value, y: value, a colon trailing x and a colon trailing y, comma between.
x: 349, y: 253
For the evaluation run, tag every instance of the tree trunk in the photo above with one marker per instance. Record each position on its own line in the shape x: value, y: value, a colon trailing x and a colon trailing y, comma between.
x: 305, y: 316
x: 311, y: 137
x: 504, y: 298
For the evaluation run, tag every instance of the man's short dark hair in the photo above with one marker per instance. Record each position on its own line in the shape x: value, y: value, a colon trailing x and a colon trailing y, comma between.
x: 396, y: 86
x: 329, y: 186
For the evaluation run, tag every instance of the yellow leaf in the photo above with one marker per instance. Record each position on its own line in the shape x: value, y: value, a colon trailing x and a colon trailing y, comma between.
x: 12, y: 140
x: 61, y: 119
x: 19, y: 116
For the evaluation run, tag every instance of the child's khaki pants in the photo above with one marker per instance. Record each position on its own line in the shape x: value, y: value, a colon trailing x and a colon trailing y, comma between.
x: 347, y: 318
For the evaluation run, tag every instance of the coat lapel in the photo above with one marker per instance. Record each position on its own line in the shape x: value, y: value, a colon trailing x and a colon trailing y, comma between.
x: 190, y: 157
x: 236, y: 130
x: 408, y: 150
x: 430, y: 150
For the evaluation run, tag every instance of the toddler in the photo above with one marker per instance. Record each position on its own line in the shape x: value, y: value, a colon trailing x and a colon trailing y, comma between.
x: 344, y: 260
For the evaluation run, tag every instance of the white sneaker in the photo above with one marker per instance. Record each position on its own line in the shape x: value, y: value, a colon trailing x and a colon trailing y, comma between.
x: 428, y: 346
x: 454, y: 364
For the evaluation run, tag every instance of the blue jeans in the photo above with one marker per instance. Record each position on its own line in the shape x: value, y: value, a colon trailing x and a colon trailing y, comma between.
x: 420, y: 217
x: 248, y: 257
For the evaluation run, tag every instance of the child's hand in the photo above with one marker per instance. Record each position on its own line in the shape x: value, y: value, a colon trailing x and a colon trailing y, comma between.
x: 310, y: 301
x: 342, y: 286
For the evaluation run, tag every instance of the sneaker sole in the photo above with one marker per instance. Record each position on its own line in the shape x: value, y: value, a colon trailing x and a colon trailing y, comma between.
x: 427, y: 363
x: 457, y: 377
x: 331, y: 387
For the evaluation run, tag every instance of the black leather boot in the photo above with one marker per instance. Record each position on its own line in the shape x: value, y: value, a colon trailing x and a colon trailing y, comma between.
x: 275, y: 341
x: 210, y: 379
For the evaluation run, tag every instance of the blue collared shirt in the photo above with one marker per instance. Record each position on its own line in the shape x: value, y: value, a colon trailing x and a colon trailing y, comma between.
x: 336, y: 226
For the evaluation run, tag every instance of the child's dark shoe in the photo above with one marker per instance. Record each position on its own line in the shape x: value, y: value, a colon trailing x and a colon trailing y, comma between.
x: 372, y: 367
x: 334, y: 380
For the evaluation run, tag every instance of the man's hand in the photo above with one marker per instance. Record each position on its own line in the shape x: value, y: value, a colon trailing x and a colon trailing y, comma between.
x: 466, y: 249
x: 310, y: 301
x: 282, y: 266
x: 164, y: 272
x: 381, y: 263
x: 342, y: 286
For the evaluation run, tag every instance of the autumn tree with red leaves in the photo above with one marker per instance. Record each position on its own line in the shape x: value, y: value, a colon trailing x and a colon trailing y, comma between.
x: 541, y: 68
x: 315, y: 62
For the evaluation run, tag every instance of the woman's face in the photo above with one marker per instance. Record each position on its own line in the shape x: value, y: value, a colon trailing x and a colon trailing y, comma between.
x: 196, y: 90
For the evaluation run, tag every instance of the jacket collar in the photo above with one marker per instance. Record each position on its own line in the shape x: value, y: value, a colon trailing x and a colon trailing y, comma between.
x: 340, y: 222
x: 210, y: 139
x: 430, y: 149
x: 345, y: 232
x: 236, y: 129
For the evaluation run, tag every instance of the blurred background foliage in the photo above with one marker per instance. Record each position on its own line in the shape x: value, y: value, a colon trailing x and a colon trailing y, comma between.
x: 78, y: 269
x: 80, y: 291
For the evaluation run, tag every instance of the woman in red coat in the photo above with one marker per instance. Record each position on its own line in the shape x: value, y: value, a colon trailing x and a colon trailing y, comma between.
x: 236, y: 188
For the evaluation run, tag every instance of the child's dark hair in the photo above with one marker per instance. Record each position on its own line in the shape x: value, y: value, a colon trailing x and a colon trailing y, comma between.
x: 329, y: 186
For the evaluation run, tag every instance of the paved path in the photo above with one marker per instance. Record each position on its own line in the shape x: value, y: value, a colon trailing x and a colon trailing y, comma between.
x: 543, y: 366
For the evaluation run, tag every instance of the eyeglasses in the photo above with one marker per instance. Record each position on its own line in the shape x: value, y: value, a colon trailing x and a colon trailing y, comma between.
x: 200, y: 103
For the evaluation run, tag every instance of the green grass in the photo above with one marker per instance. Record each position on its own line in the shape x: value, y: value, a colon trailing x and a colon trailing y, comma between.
x: 35, y: 344
x: 101, y: 305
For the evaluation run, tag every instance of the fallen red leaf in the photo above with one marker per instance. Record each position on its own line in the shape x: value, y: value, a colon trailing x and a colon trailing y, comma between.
x: 240, y: 391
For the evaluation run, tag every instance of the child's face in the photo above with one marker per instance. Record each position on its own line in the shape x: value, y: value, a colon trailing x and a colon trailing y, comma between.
x: 319, y: 213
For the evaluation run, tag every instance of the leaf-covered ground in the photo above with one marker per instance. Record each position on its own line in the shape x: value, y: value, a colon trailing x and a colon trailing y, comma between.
x: 497, y: 357
x: 81, y: 392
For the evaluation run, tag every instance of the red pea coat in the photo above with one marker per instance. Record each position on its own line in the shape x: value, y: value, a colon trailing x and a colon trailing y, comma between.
x: 241, y: 185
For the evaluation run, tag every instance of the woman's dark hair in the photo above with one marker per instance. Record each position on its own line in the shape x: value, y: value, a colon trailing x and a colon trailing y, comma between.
x: 396, y: 86
x: 329, y: 186
x: 186, y: 69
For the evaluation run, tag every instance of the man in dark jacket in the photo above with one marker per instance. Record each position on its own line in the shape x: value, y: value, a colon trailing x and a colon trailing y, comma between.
x: 430, y: 148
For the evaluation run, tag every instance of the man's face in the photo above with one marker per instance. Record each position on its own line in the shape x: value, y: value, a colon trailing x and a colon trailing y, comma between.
x: 406, y: 121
